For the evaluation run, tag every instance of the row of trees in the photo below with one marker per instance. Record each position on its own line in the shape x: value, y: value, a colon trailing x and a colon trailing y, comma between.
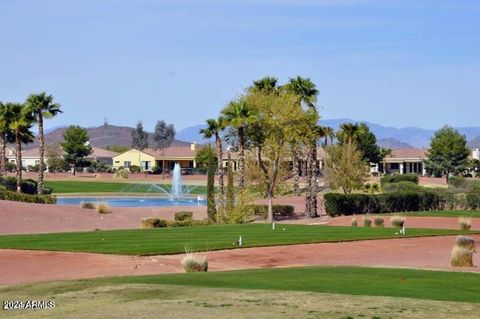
x: 16, y: 122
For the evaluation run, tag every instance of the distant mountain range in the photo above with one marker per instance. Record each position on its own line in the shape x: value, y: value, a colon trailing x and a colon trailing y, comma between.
x: 100, y: 136
x: 407, y: 137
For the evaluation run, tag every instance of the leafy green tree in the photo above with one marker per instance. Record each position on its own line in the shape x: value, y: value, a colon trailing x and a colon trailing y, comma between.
x: 163, y: 136
x: 202, y: 156
x: 211, y: 206
x: 42, y: 107
x: 55, y: 160
x: 6, y: 135
x: 20, y: 124
x: 76, y: 146
x: 280, y: 118
x: 214, y: 128
x: 307, y: 92
x: 239, y: 114
x: 344, y: 167
x: 139, y: 137
x: 448, y: 152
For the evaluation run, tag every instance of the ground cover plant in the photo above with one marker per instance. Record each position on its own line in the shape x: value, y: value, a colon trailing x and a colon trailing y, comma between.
x: 172, y: 240
x: 63, y: 187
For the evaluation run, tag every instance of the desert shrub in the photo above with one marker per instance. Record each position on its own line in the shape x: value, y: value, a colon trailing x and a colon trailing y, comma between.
x: 367, y: 222
x: 121, y: 173
x: 153, y: 222
x: 397, y: 221
x: 193, y: 263
x: 465, y: 241
x: 349, y: 204
x: 354, y: 222
x: 27, y: 198
x: 188, y: 223
x: 401, y: 187
x: 378, y: 221
x: 413, y: 178
x: 134, y: 169
x: 465, y: 223
x: 462, y: 257
x: 473, y: 200
x: 278, y: 210
x: 181, y: 216
x: 47, y: 190
x: 87, y: 205
x: 28, y: 186
x: 103, y: 208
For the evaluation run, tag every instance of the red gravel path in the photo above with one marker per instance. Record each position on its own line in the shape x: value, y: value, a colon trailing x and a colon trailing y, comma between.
x: 35, y: 266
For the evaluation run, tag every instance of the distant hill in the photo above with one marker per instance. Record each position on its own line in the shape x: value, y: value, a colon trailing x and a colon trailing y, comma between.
x: 392, y: 143
x: 415, y: 137
x: 474, y: 143
x: 100, y: 136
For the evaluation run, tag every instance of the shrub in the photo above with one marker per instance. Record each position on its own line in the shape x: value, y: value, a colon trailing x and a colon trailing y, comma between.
x: 354, y: 222
x: 349, y: 204
x: 134, y: 169
x: 473, y: 200
x: 181, y: 216
x: 462, y: 257
x: 399, y: 178
x: 465, y: 223
x: 28, y: 186
x: 378, y: 221
x: 188, y: 223
x: 121, y: 173
x: 87, y: 205
x: 153, y: 222
x: 401, y: 186
x: 27, y: 198
x: 367, y: 222
x: 278, y: 210
x: 192, y: 263
x: 47, y: 190
x: 465, y: 242
x: 398, y: 221
x: 103, y: 208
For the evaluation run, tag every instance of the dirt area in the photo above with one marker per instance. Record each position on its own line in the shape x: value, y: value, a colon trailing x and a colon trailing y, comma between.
x: 24, y: 218
x: 148, y: 301
x: 427, y: 252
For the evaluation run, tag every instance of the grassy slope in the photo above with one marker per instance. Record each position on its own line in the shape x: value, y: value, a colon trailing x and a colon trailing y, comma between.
x: 173, y: 240
x: 419, y: 284
x: 63, y: 187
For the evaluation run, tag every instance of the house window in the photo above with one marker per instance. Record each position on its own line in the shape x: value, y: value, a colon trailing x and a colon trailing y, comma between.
x: 145, y: 165
x: 394, y: 166
x: 127, y: 164
x: 117, y: 162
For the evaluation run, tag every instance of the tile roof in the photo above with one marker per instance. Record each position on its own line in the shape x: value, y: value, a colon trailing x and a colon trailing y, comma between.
x: 171, y: 152
x: 399, y: 153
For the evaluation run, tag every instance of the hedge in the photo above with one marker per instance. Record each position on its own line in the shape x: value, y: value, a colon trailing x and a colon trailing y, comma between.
x: 29, y: 186
x: 402, y: 186
x: 399, y: 178
x: 278, y: 210
x: 27, y: 198
x: 182, y: 216
x: 352, y: 204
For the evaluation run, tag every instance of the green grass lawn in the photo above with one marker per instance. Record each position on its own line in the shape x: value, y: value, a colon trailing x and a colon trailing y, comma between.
x: 445, y: 213
x: 63, y: 187
x: 203, y: 238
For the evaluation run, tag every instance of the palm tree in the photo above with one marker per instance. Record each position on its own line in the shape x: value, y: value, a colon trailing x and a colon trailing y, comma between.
x: 20, y: 124
x: 42, y: 106
x: 265, y: 85
x: 329, y: 134
x: 348, y: 132
x: 214, y: 128
x: 239, y: 114
x: 5, y: 135
x: 307, y: 93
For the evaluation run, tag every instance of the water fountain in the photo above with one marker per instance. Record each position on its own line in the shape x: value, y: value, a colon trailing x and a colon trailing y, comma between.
x: 176, y: 182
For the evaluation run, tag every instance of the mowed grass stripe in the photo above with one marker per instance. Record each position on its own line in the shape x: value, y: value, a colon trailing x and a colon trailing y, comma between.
x: 174, y: 240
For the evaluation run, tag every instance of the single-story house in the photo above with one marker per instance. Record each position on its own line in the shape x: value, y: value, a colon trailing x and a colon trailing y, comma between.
x: 403, y: 161
x: 31, y: 157
x: 157, y: 159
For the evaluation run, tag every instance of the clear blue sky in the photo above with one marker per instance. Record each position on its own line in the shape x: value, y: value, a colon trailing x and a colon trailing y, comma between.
x: 398, y: 63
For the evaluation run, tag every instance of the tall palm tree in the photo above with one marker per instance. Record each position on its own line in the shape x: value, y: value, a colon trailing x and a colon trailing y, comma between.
x: 21, y: 123
x: 6, y: 135
x: 214, y: 128
x: 307, y: 93
x: 329, y: 134
x: 42, y: 107
x: 265, y: 85
x: 239, y: 114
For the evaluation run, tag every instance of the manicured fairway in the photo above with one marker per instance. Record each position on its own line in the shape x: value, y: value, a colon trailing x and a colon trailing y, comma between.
x: 62, y: 187
x: 174, y: 240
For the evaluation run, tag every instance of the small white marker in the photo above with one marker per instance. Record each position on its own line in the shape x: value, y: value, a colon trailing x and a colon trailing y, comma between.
x: 240, y: 241
x: 273, y: 226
